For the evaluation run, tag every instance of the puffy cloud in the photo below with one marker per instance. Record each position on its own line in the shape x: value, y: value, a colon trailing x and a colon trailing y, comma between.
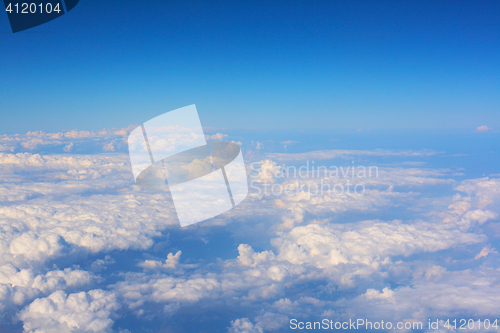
x: 69, y: 147
x: 36, y: 232
x: 32, y: 144
x: 84, y: 201
x: 65, y: 141
x: 485, y: 252
x: 35, y: 247
x: 368, y: 243
x: 139, y: 288
x: 171, y: 262
x: 19, y: 286
x: 251, y: 276
x: 102, y: 264
x: 470, y: 210
x: 267, y: 171
x: 344, y: 251
x: 216, y: 137
x: 110, y: 146
x: 58, y: 204
x: 79, y: 312
x: 433, y: 294
x: 341, y: 253
x: 244, y: 325
x: 248, y: 257
x: 47, y: 163
x: 345, y: 254
x: 483, y: 129
x: 74, y: 134
x: 483, y: 191
x: 271, y: 321
x: 467, y: 292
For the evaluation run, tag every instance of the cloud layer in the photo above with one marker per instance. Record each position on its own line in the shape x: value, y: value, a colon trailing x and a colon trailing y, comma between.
x: 82, y: 249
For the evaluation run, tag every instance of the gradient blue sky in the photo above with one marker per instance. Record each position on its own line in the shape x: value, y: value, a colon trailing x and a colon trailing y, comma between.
x: 260, y: 64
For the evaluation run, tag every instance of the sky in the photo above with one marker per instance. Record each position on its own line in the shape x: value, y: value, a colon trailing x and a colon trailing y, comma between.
x: 412, y: 65
x: 397, y: 103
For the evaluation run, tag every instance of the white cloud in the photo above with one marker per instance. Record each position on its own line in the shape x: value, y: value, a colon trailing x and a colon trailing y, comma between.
x: 79, y: 312
x: 139, y: 288
x: 342, y: 252
x: 64, y: 141
x: 485, y: 252
x: 58, y: 204
x: 330, y: 154
x: 483, y: 129
x: 102, y: 264
x: 110, y: 146
x: 216, y: 137
x: 244, y: 325
x: 21, y: 286
x: 69, y: 147
x: 99, y: 223
x: 172, y: 261
x: 468, y: 293
x: 483, y: 191
x: 271, y: 321
x: 80, y: 200
x: 32, y: 144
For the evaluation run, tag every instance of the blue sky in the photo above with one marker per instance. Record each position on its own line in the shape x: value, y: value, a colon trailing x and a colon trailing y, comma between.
x: 282, y: 64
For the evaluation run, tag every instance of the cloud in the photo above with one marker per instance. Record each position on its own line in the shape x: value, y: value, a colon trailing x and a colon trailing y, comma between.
x: 267, y: 171
x: 483, y: 129
x: 32, y: 144
x: 367, y: 243
x: 482, y: 191
x: 102, y: 264
x: 216, y: 137
x: 244, y: 325
x: 465, y: 292
x: 330, y: 154
x: 484, y: 252
x: 324, y: 194
x: 110, y: 146
x: 362, y: 248
x: 54, y: 203
x: 171, y: 262
x: 289, y: 142
x: 345, y: 252
x: 79, y: 312
x: 393, y: 242
x: 102, y: 223
x: 84, y: 141
x: 19, y: 286
x: 140, y: 288
x: 69, y: 147
x: 271, y: 321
